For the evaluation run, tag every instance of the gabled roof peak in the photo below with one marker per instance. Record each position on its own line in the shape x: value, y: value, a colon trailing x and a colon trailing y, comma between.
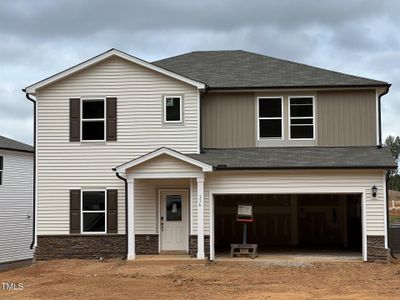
x: 103, y: 56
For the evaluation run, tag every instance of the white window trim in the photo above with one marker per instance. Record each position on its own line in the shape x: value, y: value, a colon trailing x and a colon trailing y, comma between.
x: 297, y: 118
x: 95, y: 211
x: 165, y: 109
x: 104, y: 119
x: 259, y: 138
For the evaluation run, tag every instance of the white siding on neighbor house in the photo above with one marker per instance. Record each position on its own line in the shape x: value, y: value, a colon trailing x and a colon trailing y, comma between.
x: 16, y: 203
x: 301, y: 181
x: 65, y: 165
x: 146, y: 201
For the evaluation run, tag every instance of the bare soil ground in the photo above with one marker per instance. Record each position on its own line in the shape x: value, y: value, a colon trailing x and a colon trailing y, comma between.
x: 116, y: 279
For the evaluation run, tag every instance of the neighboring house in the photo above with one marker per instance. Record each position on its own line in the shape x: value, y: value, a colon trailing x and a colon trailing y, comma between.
x: 16, y: 203
x: 146, y: 158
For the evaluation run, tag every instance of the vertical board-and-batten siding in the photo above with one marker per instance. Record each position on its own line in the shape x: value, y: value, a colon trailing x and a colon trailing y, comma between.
x: 301, y: 182
x: 16, y: 203
x: 228, y: 120
x: 342, y: 118
x: 346, y: 118
x: 65, y: 165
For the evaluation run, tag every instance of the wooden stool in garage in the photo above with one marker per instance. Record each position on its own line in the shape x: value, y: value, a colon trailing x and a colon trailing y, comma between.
x: 244, y: 250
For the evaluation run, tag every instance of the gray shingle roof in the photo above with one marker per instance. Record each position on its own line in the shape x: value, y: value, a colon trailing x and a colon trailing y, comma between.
x: 298, y: 157
x: 241, y: 69
x: 9, y: 144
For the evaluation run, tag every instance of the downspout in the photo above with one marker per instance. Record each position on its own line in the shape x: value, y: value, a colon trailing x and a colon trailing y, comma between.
x: 387, y: 214
x: 33, y: 244
x: 380, y: 115
x: 201, y: 116
x: 126, y: 211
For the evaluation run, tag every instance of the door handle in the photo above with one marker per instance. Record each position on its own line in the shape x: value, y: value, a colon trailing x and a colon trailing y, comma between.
x: 162, y: 223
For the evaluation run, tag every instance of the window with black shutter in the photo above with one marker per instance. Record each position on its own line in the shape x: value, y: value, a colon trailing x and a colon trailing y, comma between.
x: 1, y: 170
x: 94, y: 211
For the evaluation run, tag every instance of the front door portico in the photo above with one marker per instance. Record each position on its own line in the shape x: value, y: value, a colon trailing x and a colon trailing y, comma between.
x: 165, y: 163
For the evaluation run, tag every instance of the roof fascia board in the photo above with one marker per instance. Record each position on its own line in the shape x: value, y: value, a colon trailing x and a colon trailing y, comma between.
x: 304, y: 168
x: 122, y: 168
x: 294, y: 88
x: 16, y: 150
x: 32, y: 88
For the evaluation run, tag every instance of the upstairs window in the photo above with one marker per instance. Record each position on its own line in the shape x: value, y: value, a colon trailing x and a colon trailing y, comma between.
x: 173, y: 109
x: 94, y: 211
x: 93, y: 120
x: 270, y: 117
x: 1, y: 170
x: 301, y: 117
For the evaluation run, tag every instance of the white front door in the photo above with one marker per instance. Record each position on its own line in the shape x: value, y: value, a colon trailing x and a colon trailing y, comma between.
x: 174, y: 220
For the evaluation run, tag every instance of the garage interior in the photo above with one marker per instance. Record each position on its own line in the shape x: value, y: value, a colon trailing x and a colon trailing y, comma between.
x: 291, y: 222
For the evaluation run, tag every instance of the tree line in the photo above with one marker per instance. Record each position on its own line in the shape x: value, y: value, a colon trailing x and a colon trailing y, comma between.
x: 393, y: 143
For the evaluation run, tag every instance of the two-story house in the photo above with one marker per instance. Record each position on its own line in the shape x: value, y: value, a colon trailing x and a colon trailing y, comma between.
x: 138, y: 158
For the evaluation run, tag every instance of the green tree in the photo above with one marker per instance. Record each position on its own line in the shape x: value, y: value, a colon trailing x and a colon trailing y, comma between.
x: 394, y: 145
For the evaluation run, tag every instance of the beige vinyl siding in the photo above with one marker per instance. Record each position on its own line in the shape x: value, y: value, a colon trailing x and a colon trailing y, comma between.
x: 16, y: 202
x: 164, y: 164
x: 228, y: 120
x: 64, y: 165
x: 305, y: 181
x: 146, y: 201
x: 347, y: 118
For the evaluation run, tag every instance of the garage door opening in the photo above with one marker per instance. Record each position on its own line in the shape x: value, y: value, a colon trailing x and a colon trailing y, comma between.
x: 298, y: 223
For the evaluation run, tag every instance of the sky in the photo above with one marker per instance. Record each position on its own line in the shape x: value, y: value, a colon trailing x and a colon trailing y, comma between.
x: 42, y: 37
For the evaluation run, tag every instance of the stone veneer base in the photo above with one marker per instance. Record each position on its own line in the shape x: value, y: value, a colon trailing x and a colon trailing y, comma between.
x: 193, y: 245
x: 114, y: 245
x: 376, y: 249
x: 92, y: 246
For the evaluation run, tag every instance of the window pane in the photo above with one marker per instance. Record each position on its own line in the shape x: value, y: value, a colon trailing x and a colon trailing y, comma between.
x: 301, y: 110
x: 94, y: 200
x: 271, y: 107
x: 174, y: 207
x: 271, y: 128
x: 301, y: 121
x: 93, y: 130
x: 94, y: 222
x: 172, y: 109
x: 301, y: 132
x: 305, y: 100
x: 93, y: 109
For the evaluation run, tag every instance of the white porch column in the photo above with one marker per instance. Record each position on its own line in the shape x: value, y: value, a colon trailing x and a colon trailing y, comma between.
x: 131, y: 219
x: 200, y: 218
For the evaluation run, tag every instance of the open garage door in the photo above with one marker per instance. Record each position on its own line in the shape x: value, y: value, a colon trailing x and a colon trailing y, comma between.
x: 298, y: 221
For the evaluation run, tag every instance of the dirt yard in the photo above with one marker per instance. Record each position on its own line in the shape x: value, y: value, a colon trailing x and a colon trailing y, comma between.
x: 116, y: 279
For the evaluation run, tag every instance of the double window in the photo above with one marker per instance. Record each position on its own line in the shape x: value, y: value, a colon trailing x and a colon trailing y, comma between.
x: 93, y: 119
x: 94, y: 207
x: 270, y: 117
x: 172, y: 109
x: 301, y: 117
x: 1, y: 170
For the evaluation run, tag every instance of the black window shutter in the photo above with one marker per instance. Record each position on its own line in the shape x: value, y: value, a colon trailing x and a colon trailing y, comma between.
x: 1, y: 169
x: 75, y: 211
x: 74, y: 119
x: 111, y: 119
x: 112, y: 211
